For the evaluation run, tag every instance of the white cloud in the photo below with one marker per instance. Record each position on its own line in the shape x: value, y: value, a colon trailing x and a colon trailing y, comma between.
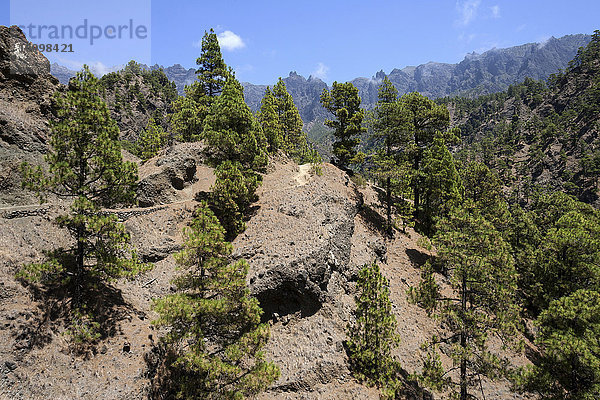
x: 467, y: 10
x: 97, y: 67
x: 227, y: 40
x: 230, y: 41
x: 321, y: 71
x: 496, y: 11
x: 543, y: 41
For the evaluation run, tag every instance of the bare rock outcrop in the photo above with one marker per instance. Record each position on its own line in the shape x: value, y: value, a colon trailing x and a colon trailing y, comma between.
x: 297, y: 240
x: 176, y: 174
x: 299, y: 246
x: 26, y: 90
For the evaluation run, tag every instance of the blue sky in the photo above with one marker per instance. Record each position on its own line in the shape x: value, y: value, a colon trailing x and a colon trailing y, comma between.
x: 334, y: 40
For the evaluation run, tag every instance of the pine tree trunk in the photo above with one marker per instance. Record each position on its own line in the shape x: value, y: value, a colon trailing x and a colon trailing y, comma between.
x: 80, y: 262
x: 388, y: 200
x: 82, y: 176
x: 463, y: 342
x: 417, y: 192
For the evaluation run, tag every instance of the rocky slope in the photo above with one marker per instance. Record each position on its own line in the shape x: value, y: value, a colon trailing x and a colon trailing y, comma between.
x: 305, y: 245
x: 540, y: 137
x: 134, y: 95
x: 26, y: 90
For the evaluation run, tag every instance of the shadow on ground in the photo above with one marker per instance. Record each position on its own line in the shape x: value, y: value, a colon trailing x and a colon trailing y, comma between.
x: 97, y: 310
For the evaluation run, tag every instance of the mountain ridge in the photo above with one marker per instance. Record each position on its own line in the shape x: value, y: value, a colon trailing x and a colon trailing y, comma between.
x: 477, y: 74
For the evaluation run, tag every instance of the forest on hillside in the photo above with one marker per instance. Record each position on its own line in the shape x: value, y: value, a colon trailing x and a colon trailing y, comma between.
x: 502, y: 190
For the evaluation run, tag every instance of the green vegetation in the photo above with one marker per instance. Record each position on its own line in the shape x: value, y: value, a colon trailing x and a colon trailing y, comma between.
x: 188, y: 116
x: 527, y: 156
x: 372, y: 336
x: 293, y: 139
x: 423, y: 120
x: 215, y: 336
x: 189, y: 111
x: 231, y: 131
x: 568, y: 338
x: 232, y: 195
x: 85, y: 166
x: 212, y: 71
x: 156, y: 80
x: 152, y: 139
x: 269, y: 120
x: 509, y: 232
x: 391, y: 166
x: 282, y: 126
x: 411, y: 159
x: 439, y: 183
x: 479, y: 264
x: 215, y: 340
x: 344, y: 103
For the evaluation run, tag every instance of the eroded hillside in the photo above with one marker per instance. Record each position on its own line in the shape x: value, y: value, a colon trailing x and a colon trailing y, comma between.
x: 305, y: 241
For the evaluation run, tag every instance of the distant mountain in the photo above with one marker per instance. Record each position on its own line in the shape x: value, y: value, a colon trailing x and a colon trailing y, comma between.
x: 539, y: 137
x: 305, y: 92
x: 478, y: 74
x: 179, y: 75
x: 62, y: 73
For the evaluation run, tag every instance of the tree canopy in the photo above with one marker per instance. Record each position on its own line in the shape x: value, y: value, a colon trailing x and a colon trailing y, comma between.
x: 343, y: 102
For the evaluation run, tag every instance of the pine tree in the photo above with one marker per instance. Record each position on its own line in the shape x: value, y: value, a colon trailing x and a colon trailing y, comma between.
x: 188, y: 115
x: 439, y: 182
x: 391, y: 160
x: 214, y: 325
x: 269, y: 120
x: 344, y: 103
x: 481, y: 270
x: 294, y: 140
x: 567, y: 259
x: 484, y: 188
x: 372, y: 336
x: 282, y: 126
x: 85, y: 166
x: 232, y: 195
x: 189, y: 111
x: 524, y: 237
x: 152, y: 139
x: 423, y: 118
x: 212, y: 71
x: 555, y: 247
x: 569, y: 368
x: 232, y: 132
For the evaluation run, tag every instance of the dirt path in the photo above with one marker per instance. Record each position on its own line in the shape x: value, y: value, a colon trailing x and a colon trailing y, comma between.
x: 303, y: 174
